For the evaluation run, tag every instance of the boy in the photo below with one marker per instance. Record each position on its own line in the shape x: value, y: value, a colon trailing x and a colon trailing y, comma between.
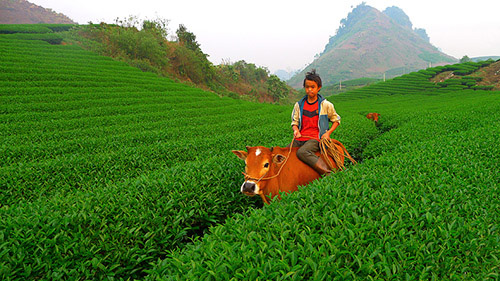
x: 310, y: 117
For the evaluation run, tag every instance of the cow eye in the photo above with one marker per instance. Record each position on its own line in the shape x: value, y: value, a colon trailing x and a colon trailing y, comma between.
x: 266, y: 165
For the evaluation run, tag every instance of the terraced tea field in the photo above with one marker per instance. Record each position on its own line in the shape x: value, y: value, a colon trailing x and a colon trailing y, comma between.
x: 108, y: 172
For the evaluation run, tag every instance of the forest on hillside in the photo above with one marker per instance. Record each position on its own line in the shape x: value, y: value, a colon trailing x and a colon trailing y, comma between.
x: 144, y: 44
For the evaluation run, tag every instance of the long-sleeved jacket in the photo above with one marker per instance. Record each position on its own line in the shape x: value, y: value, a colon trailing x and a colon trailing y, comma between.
x: 326, y: 111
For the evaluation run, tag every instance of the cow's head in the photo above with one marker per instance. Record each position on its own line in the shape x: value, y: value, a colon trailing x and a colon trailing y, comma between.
x: 261, y: 163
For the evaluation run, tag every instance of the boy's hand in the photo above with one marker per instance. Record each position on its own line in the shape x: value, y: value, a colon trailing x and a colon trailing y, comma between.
x: 326, y: 136
x: 329, y: 132
x: 297, y: 134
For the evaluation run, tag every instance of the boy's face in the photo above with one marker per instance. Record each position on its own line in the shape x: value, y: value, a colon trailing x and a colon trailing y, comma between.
x: 312, y: 89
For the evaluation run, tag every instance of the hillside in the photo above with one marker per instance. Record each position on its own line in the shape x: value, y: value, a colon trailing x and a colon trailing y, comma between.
x: 79, y: 132
x: 24, y: 12
x: 144, y: 44
x: 370, y: 43
x: 111, y: 173
x: 476, y: 59
x: 486, y: 77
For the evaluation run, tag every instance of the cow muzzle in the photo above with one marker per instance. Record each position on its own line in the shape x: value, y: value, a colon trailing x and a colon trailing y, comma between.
x: 250, y: 188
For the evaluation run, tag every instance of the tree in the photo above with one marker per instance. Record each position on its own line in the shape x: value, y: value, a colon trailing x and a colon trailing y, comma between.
x: 276, y: 88
x: 187, y: 39
x: 465, y: 59
x: 422, y: 33
x: 158, y: 27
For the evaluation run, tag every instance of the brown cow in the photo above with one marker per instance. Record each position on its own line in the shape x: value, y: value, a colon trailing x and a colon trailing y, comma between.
x: 373, y: 116
x: 270, y: 171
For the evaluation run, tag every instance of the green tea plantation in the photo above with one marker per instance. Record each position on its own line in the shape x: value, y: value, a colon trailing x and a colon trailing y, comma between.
x: 110, y: 173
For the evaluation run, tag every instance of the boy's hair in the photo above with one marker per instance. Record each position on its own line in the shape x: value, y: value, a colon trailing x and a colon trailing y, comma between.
x: 312, y: 76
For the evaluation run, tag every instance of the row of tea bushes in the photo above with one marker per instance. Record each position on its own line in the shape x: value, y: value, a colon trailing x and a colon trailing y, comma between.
x: 418, y: 82
x: 423, y: 206
x: 34, y: 28
x: 118, y: 229
x: 106, y: 169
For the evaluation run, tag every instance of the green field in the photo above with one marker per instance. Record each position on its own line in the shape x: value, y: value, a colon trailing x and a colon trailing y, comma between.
x: 110, y: 173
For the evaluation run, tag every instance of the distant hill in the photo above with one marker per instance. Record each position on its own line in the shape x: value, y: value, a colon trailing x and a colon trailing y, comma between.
x: 285, y: 74
x: 24, y: 12
x: 476, y: 59
x: 369, y: 43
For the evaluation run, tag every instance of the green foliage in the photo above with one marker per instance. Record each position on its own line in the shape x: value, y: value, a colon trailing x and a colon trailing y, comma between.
x: 107, y: 172
x: 485, y: 87
x: 149, y: 50
x: 250, y: 72
x: 34, y: 28
x: 51, y: 38
x: 347, y: 26
x: 128, y: 43
x: 100, y: 167
x: 465, y: 59
x: 277, y: 88
x: 23, y: 28
x: 234, y: 74
x: 187, y: 38
x: 418, y: 208
x: 159, y: 27
x: 419, y: 82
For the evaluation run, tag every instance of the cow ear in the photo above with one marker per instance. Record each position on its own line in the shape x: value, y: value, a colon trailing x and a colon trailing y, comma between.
x: 240, y: 154
x: 279, y: 158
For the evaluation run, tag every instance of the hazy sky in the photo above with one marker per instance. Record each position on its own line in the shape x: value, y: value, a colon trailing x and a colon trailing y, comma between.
x: 287, y: 34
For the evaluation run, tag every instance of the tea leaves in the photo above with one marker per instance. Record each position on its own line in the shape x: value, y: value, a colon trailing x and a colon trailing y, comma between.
x: 108, y: 172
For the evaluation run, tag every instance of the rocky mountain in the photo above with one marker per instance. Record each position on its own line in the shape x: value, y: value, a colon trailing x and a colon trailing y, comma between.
x: 24, y: 12
x: 402, y: 19
x: 370, y: 43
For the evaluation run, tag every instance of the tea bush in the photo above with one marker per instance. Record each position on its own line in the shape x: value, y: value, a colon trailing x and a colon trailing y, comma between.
x: 423, y: 205
x: 108, y: 172
x: 23, y: 28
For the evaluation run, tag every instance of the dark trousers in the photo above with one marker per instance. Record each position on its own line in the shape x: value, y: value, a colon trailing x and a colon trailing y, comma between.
x: 306, y: 151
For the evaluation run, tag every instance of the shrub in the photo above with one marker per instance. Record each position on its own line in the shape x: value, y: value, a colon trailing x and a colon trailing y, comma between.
x: 485, y: 88
x: 51, y: 38
x: 23, y: 28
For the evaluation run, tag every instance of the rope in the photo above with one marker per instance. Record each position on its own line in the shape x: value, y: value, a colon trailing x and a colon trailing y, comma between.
x: 328, y: 147
x: 247, y: 177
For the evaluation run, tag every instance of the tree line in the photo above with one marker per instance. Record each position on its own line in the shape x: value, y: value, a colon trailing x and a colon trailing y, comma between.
x: 150, y: 46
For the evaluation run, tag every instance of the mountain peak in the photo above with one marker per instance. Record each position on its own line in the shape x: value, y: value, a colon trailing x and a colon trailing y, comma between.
x: 369, y: 43
x: 399, y: 16
x: 360, y: 13
x: 24, y: 12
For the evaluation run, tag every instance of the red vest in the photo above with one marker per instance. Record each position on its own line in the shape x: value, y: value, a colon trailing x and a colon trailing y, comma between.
x: 310, y: 117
